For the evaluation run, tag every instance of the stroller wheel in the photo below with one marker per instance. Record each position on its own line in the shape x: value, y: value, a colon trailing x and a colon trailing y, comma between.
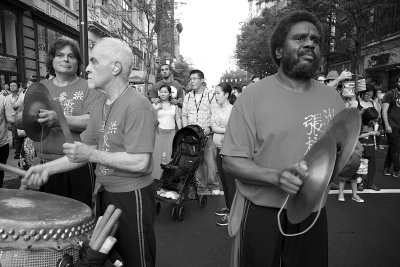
x: 181, y: 214
x: 174, y: 213
x: 203, y: 201
x: 158, y: 208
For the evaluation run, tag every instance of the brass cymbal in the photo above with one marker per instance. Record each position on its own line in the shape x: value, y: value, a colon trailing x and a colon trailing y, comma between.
x: 345, y: 129
x: 321, y: 161
x: 37, y: 97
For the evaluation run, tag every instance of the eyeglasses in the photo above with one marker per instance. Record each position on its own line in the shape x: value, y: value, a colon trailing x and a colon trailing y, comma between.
x: 194, y: 79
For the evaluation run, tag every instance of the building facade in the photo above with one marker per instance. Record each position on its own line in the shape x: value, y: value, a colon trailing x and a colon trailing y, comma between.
x: 28, y: 27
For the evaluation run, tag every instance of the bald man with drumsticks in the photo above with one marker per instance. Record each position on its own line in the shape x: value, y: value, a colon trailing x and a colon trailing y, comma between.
x: 120, y: 140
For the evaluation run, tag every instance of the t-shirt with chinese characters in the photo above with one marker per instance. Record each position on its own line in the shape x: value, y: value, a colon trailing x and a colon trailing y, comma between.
x: 5, y: 110
x: 75, y: 99
x: 275, y: 127
x: 127, y: 125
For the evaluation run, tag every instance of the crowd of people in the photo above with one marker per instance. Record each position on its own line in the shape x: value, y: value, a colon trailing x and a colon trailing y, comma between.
x: 126, y: 137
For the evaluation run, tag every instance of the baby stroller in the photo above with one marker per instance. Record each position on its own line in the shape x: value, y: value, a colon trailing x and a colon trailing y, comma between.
x: 177, y: 183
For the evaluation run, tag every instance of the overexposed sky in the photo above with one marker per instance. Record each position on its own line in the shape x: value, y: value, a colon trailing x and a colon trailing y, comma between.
x: 209, y: 33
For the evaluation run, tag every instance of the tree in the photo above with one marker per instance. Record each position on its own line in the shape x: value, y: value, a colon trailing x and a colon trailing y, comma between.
x: 143, y: 42
x: 346, y: 24
x: 181, y: 71
x: 237, y: 78
x: 252, y: 45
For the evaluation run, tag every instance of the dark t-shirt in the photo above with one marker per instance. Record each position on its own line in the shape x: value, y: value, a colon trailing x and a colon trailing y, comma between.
x: 75, y: 99
x: 175, y: 84
x: 275, y: 127
x: 394, y: 108
x: 130, y: 127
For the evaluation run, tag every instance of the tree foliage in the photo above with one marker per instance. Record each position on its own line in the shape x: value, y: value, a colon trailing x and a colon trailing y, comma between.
x: 252, y: 45
x: 346, y: 24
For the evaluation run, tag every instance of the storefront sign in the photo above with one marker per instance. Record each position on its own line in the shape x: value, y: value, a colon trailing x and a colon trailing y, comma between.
x: 379, y: 59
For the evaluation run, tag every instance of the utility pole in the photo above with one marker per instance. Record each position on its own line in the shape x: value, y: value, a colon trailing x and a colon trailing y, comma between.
x: 83, y: 27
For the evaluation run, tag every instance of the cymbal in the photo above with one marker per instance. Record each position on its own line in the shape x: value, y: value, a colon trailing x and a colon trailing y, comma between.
x: 320, y: 161
x: 37, y: 97
x: 345, y: 129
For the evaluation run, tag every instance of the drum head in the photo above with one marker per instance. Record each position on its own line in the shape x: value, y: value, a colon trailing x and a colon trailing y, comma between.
x: 37, y: 97
x: 30, y: 219
x: 345, y: 129
x: 320, y: 160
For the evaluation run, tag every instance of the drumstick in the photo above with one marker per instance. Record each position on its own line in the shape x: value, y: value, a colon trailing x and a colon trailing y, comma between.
x: 106, y: 216
x: 12, y: 169
x: 106, y: 230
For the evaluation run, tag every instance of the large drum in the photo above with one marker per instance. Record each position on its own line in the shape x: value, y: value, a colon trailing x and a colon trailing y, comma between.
x: 37, y: 229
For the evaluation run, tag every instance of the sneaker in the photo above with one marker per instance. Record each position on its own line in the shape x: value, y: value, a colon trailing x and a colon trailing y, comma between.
x: 223, y: 220
x: 386, y: 172
x: 358, y: 199
x: 373, y: 187
x: 396, y: 174
x: 215, y: 192
x: 222, y: 212
x: 341, y: 198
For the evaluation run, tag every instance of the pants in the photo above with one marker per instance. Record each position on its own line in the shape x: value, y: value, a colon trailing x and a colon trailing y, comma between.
x: 207, y: 172
x: 370, y: 155
x: 17, y: 141
x: 228, y: 183
x: 4, y: 152
x: 394, y: 148
x: 136, y: 243
x: 263, y: 245
x: 388, y: 159
x: 76, y: 184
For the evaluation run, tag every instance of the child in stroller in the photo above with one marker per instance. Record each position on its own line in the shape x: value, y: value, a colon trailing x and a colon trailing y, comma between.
x: 177, y: 183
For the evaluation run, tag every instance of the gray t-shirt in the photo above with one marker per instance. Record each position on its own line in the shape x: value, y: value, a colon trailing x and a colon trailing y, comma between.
x: 130, y: 125
x: 5, y: 110
x: 275, y: 127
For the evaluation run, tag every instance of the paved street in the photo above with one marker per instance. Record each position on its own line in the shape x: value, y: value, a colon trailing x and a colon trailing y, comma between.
x: 360, y: 234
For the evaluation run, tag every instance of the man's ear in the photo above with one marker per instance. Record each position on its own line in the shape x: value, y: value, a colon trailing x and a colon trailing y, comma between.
x: 117, y: 68
x: 278, y: 53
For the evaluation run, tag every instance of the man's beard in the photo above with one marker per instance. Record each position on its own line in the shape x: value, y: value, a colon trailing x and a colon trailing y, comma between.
x: 295, y: 69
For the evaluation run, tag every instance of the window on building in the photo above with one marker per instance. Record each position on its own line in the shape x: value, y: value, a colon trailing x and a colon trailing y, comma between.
x: 126, y: 35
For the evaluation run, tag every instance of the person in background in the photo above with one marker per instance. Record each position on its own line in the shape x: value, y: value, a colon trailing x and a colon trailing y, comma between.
x: 168, y: 79
x: 367, y: 139
x: 225, y: 99
x: 349, y: 174
x: 7, y: 115
x: 169, y: 118
x: 321, y: 78
x: 16, y: 98
x: 198, y: 106
x: 236, y: 91
x: 391, y: 120
x: 333, y: 79
x: 255, y: 78
x: 6, y: 90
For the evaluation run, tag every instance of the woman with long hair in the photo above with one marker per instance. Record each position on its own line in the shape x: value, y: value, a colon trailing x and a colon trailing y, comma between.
x: 169, y: 117
x: 219, y: 121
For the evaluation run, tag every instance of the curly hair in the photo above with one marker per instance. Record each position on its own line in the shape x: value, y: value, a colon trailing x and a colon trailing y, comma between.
x: 57, y: 46
x: 283, y: 27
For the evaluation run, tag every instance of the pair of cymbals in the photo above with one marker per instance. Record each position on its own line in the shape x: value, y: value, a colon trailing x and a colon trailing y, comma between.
x: 325, y: 160
x: 36, y: 97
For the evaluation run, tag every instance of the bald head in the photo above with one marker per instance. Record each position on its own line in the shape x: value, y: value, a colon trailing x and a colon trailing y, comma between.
x: 115, y: 50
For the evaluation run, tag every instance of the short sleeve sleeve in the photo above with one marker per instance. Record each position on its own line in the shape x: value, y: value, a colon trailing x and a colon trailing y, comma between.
x: 388, y: 97
x: 239, y: 138
x: 185, y: 105
x: 89, y: 136
x: 140, y: 128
